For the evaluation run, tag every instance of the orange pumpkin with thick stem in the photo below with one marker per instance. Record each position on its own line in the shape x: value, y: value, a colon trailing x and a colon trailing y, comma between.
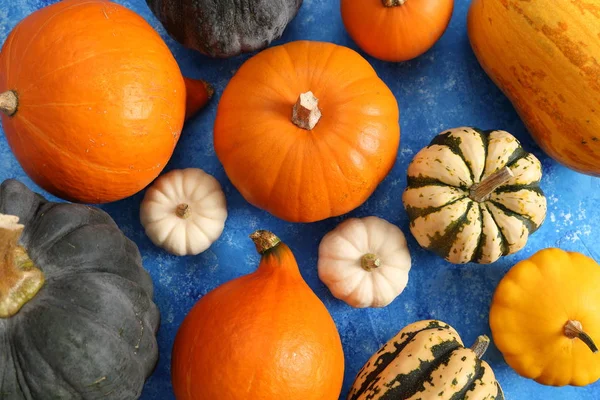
x: 263, y: 336
x: 396, y: 30
x: 307, y: 130
x: 93, y: 101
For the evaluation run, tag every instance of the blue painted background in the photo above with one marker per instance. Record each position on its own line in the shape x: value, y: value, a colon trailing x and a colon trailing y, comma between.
x: 445, y: 88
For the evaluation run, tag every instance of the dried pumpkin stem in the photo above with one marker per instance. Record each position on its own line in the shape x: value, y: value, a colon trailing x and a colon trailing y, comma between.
x: 481, y: 345
x: 183, y: 211
x: 9, y: 102
x: 264, y: 240
x: 393, y: 3
x: 20, y: 279
x: 306, y: 113
x: 481, y: 191
x: 574, y: 330
x: 370, y: 262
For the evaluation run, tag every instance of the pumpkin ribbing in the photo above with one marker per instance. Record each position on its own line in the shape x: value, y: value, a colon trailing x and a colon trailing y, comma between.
x: 365, y: 262
x: 20, y: 279
x: 95, y: 306
x: 474, y: 195
x: 540, y: 323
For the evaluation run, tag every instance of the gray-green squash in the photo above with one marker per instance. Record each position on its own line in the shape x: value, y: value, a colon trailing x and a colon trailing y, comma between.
x: 225, y: 28
x: 425, y: 361
x: 77, y: 319
x: 474, y: 195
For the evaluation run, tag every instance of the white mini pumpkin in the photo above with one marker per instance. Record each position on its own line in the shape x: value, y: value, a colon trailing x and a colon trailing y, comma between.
x: 365, y: 262
x: 474, y: 195
x: 184, y: 211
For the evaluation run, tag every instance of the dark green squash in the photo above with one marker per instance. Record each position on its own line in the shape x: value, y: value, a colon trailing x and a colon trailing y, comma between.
x: 427, y: 360
x: 88, y: 329
x: 225, y: 28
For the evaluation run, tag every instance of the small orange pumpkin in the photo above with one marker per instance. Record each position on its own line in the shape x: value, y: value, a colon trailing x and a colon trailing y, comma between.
x: 307, y: 130
x: 396, y: 30
x: 93, y: 101
x: 263, y: 336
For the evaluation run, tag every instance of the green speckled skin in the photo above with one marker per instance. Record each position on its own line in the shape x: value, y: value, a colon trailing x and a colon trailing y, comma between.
x: 225, y: 28
x: 89, y: 333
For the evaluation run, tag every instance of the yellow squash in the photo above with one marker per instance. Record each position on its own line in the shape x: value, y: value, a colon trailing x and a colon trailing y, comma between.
x: 545, y: 318
x: 545, y: 56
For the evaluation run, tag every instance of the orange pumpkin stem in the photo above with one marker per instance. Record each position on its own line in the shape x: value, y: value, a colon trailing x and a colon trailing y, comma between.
x: 481, y: 345
x: 264, y: 241
x: 393, y: 3
x: 482, y: 190
x: 9, y: 102
x: 370, y: 262
x: 574, y: 330
x: 20, y: 279
x: 306, y: 113
x: 183, y: 211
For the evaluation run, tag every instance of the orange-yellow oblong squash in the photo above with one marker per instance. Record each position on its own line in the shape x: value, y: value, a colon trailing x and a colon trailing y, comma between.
x: 545, y: 56
x: 92, y: 100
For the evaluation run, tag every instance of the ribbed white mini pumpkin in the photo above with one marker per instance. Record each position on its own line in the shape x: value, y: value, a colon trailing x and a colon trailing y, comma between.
x: 365, y: 262
x: 184, y: 211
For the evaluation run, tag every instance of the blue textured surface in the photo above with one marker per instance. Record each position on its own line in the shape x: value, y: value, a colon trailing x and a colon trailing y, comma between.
x: 445, y: 88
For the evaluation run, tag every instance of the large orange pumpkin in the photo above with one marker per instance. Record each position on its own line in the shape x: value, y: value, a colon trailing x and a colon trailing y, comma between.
x: 396, y: 30
x: 307, y: 130
x: 263, y: 336
x: 93, y: 101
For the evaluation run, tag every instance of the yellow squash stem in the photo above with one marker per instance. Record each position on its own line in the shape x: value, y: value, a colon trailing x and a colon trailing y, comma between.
x: 393, y: 3
x: 9, y: 103
x: 370, y: 262
x: 306, y: 113
x: 264, y: 240
x: 20, y: 279
x: 481, y: 345
x: 574, y: 330
x: 481, y: 191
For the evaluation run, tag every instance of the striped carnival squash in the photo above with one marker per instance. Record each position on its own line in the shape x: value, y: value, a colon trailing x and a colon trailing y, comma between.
x: 427, y: 360
x: 474, y: 195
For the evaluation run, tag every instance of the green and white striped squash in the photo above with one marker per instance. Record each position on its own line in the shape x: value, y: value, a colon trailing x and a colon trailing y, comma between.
x: 474, y: 195
x: 427, y: 361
